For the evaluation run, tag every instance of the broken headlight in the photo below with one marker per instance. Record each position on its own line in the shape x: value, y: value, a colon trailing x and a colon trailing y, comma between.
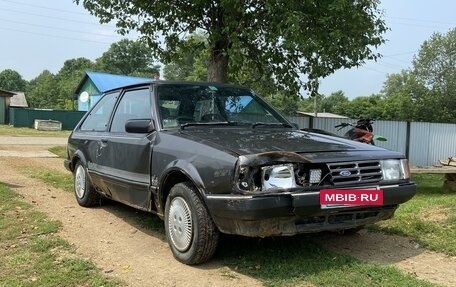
x: 395, y: 169
x: 278, y: 177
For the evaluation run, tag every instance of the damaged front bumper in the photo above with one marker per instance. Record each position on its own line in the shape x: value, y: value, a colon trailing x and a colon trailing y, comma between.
x: 293, y: 213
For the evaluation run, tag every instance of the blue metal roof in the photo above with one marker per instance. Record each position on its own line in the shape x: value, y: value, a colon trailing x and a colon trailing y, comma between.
x: 105, y: 82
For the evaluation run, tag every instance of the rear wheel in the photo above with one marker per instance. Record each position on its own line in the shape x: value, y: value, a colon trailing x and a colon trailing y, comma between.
x: 191, y: 233
x: 85, y: 193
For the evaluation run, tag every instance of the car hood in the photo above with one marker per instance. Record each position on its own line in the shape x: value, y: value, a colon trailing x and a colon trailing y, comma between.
x: 261, y: 140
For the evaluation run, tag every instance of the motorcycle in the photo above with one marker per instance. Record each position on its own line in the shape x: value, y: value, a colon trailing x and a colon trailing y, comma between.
x: 361, y: 131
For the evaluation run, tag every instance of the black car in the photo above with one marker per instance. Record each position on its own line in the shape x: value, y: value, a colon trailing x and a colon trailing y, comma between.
x: 210, y: 158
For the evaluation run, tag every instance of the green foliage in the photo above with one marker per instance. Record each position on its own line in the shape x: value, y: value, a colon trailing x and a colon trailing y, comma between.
x: 334, y: 103
x: 127, y: 57
x: 275, y: 38
x: 189, y: 63
x: 42, y: 91
x: 11, y: 80
x: 68, y: 78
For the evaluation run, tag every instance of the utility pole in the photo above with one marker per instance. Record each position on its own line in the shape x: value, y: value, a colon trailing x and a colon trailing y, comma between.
x: 314, y: 93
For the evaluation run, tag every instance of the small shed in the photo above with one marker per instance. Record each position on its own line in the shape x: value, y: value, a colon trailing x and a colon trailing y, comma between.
x: 10, y: 99
x: 93, y: 84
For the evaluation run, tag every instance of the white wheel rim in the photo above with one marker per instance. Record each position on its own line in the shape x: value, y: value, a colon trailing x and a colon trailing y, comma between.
x: 80, y: 182
x: 180, y: 226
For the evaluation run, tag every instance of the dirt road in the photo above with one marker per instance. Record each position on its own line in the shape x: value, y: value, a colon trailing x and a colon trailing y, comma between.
x: 111, y: 237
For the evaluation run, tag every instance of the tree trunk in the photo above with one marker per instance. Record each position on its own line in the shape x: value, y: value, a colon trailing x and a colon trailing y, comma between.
x: 217, y: 67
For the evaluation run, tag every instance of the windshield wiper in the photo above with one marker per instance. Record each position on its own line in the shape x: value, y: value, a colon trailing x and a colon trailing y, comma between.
x: 271, y: 124
x: 184, y: 125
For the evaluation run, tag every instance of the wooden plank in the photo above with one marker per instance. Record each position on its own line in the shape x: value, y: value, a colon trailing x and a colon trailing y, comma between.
x: 450, y: 161
x: 433, y: 169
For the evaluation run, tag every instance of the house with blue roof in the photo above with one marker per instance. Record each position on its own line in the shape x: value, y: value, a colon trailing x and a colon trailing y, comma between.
x: 93, y: 84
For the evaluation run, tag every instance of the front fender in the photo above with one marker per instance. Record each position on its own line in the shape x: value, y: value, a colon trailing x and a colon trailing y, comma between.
x: 186, y: 168
x: 176, y: 171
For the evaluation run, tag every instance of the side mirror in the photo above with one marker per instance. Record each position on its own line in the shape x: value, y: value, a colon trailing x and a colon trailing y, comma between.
x: 139, y: 126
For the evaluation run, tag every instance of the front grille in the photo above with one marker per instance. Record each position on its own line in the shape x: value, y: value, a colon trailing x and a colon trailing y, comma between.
x: 355, y: 172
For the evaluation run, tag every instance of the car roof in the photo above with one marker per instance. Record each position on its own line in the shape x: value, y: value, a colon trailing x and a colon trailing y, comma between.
x: 166, y: 82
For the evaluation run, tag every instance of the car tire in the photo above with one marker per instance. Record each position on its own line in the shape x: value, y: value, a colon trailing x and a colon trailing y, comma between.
x: 191, y: 233
x: 85, y: 193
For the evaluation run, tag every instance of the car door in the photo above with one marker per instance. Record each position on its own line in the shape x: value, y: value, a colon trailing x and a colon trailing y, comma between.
x: 126, y: 157
x: 90, y: 136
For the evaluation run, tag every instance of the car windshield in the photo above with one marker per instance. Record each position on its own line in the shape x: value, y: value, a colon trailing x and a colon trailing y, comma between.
x: 204, y: 104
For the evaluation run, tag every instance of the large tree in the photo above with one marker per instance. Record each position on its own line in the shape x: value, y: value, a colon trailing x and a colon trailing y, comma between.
x: 280, y: 38
x: 11, y: 80
x: 127, y: 57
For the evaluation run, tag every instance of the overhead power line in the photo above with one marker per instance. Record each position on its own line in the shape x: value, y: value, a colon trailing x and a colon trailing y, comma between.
x: 422, y: 26
x: 43, y: 7
x: 400, y: 54
x: 421, y: 20
x: 61, y: 29
x: 55, y: 36
x: 57, y: 18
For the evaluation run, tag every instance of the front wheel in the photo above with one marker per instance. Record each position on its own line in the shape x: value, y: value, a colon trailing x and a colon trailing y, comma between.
x: 85, y: 193
x: 191, y: 233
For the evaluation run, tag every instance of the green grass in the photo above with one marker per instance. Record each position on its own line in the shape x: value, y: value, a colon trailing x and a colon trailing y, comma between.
x: 6, y: 130
x: 32, y: 255
x: 429, y: 217
x: 296, y: 260
x: 59, y: 150
x: 57, y: 179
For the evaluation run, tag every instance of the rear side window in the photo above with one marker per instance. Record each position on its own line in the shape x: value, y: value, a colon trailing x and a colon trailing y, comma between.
x: 133, y: 105
x: 98, y: 118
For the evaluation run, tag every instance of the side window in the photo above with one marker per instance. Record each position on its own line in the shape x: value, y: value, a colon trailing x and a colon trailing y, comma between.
x: 133, y: 105
x: 98, y: 118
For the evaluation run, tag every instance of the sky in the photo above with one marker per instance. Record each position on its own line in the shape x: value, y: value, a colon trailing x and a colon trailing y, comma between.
x: 37, y: 35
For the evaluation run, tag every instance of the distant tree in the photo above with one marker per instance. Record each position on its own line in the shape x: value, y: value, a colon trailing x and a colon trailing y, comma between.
x: 127, y: 57
x: 426, y: 91
x: 334, y: 102
x: 434, y: 70
x: 398, y: 96
x: 43, y: 92
x: 371, y: 107
x: 68, y: 78
x: 396, y: 84
x: 11, y: 80
x: 281, y: 39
